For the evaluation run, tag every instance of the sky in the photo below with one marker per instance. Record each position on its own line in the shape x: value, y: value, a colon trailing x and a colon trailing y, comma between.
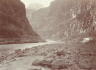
x: 45, y: 3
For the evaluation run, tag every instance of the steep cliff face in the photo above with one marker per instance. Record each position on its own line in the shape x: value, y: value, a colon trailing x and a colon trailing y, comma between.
x: 68, y: 18
x: 14, y: 25
x: 74, y: 17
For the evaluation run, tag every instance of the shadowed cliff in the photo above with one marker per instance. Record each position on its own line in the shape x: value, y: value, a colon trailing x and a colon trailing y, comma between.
x: 14, y: 26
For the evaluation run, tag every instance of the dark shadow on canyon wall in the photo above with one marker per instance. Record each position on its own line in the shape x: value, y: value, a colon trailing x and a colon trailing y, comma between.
x: 14, y: 26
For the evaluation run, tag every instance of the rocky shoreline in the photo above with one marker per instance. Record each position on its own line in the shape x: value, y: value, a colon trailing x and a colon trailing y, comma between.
x: 72, y: 55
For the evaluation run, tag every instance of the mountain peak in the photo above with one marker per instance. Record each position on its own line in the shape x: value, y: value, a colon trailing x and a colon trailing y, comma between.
x: 35, y: 6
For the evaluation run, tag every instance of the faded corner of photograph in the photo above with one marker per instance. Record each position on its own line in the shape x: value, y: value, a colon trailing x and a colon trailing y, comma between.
x: 47, y: 34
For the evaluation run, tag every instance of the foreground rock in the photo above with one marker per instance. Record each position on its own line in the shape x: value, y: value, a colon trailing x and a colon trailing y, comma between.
x: 74, y: 55
x: 15, y: 27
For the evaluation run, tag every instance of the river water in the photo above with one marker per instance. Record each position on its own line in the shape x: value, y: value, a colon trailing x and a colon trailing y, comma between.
x: 12, y: 47
x: 25, y: 63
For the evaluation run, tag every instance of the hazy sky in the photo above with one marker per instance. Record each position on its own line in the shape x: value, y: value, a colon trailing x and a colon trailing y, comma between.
x: 46, y: 3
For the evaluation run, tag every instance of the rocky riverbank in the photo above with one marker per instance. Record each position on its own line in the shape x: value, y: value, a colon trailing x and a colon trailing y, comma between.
x: 73, y: 55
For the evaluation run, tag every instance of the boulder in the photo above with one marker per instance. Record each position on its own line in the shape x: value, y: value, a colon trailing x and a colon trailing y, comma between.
x: 60, y: 53
x: 36, y: 62
x: 46, y: 63
x: 60, y: 64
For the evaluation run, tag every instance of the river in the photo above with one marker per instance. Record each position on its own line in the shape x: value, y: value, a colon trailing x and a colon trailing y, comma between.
x: 12, y: 47
x: 23, y: 63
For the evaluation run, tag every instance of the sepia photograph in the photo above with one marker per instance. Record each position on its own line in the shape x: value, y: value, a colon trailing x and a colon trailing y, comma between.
x: 47, y: 34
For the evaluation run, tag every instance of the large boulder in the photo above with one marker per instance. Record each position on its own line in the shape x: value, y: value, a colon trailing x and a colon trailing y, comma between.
x: 44, y: 63
x: 60, y: 64
x: 36, y: 62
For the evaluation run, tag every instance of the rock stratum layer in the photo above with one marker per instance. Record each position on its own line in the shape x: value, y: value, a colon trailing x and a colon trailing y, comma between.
x: 66, y: 18
x: 14, y: 26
